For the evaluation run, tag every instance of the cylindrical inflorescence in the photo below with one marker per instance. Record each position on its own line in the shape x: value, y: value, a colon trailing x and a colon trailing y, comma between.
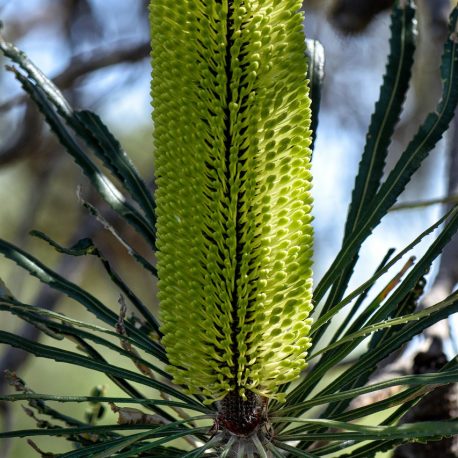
x: 232, y: 163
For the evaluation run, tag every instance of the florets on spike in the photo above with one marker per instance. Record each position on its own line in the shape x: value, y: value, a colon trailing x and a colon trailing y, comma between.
x: 232, y: 163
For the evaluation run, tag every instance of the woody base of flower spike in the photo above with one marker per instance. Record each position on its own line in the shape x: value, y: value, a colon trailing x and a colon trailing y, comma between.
x: 242, y: 425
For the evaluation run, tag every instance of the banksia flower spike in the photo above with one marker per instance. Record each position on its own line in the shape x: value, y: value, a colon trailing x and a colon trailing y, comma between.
x: 232, y: 161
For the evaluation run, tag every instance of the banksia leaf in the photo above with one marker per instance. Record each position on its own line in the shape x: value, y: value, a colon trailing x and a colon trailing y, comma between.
x: 232, y: 161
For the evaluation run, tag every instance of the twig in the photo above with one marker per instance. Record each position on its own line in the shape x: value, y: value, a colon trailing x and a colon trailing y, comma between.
x: 84, y: 64
x: 447, y: 200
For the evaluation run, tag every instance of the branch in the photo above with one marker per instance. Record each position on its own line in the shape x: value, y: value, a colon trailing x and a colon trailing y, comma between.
x: 26, y: 143
x: 28, y: 140
x: 102, y: 58
x: 354, y: 16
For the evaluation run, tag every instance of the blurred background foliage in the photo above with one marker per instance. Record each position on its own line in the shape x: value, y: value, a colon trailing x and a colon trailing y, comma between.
x: 97, y: 51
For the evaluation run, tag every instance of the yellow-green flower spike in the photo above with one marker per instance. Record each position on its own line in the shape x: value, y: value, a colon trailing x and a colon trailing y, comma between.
x: 232, y: 133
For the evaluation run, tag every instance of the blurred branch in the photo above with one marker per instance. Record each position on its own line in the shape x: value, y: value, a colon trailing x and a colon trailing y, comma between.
x: 26, y: 141
x: 29, y: 137
x: 81, y: 65
x: 354, y: 16
x: 84, y: 64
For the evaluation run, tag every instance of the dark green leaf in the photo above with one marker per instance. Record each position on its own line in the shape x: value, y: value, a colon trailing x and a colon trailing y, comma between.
x: 430, y: 132
x: 76, y: 359
x: 46, y: 275
x: 440, y: 378
x: 383, y: 121
x: 104, y: 186
x: 330, y: 360
x: 87, y: 247
x: 91, y: 129
x: 98, y: 399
